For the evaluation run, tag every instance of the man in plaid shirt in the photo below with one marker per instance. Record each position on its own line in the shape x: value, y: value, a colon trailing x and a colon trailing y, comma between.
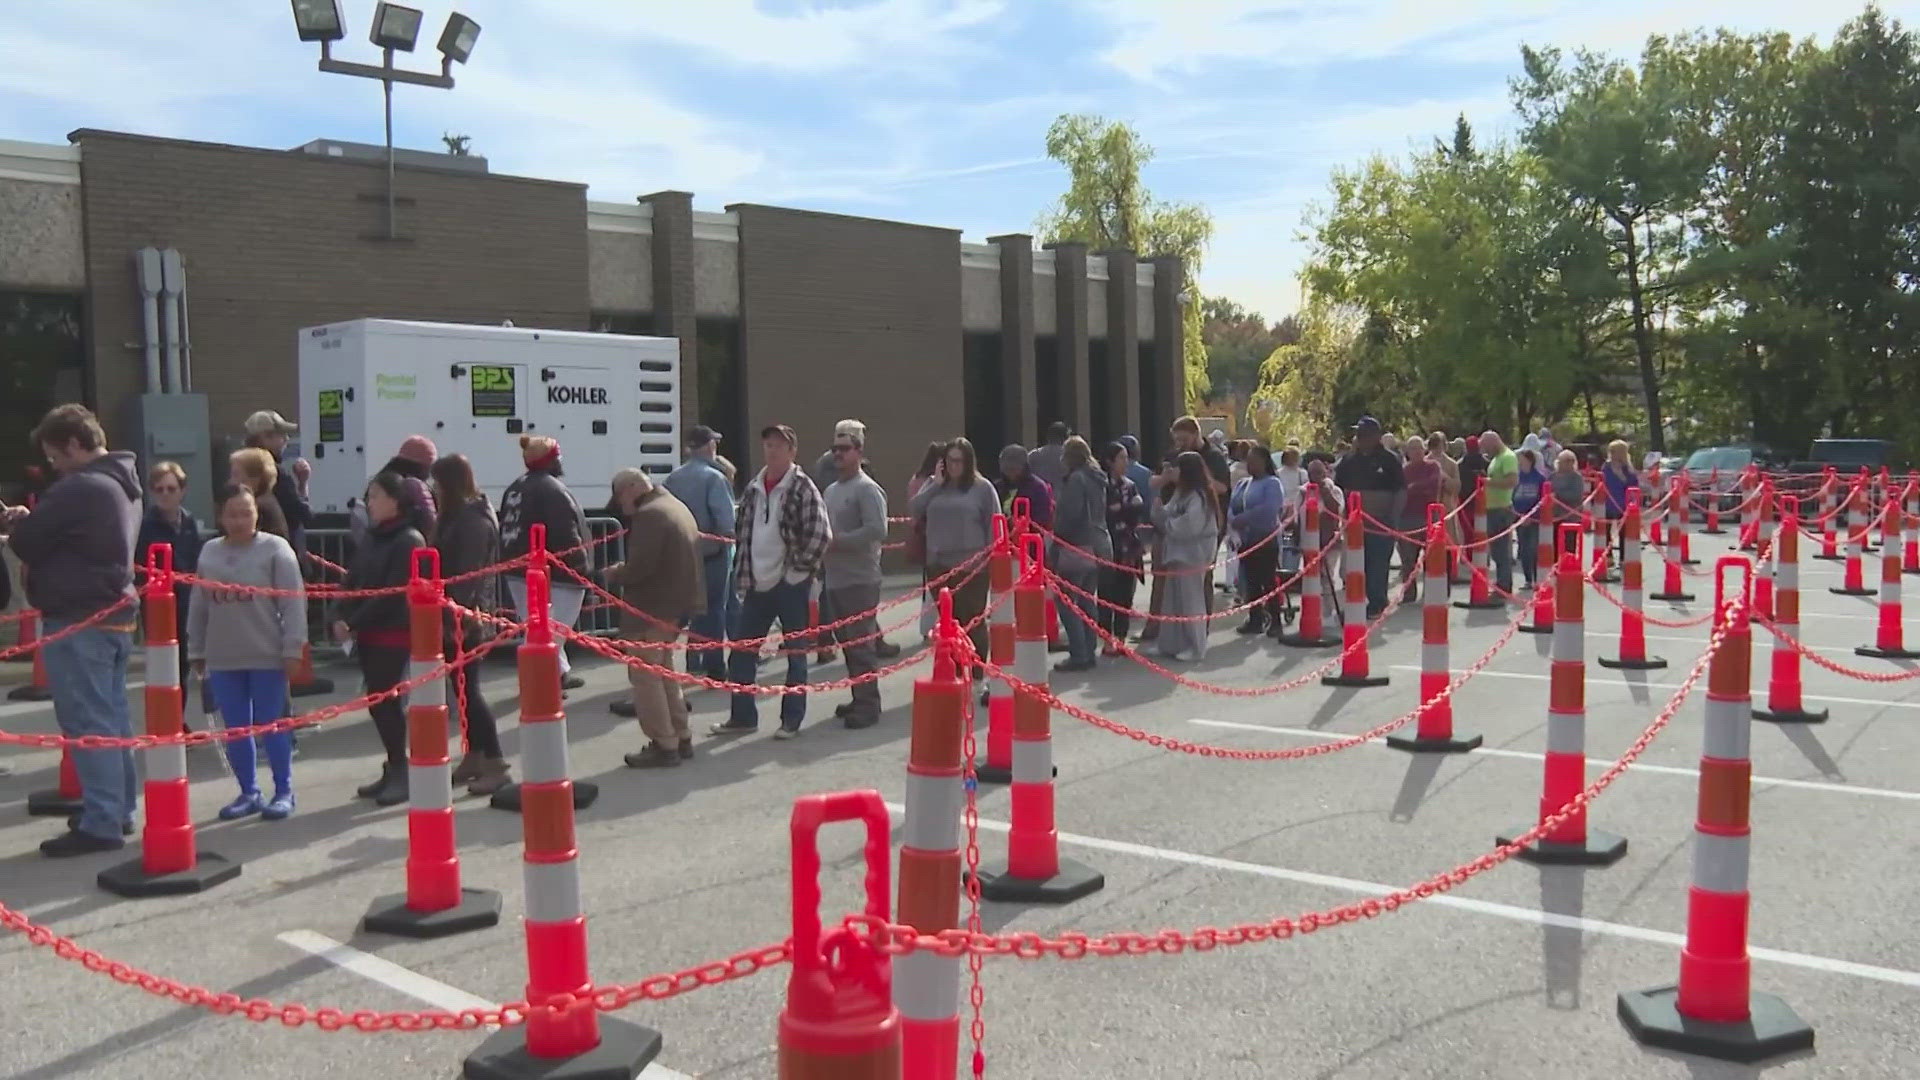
x: 781, y: 533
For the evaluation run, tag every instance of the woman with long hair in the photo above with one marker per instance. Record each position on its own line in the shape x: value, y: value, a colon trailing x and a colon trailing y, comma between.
x: 1080, y: 520
x: 1617, y: 476
x: 917, y: 541
x: 1528, y: 484
x: 1126, y: 513
x: 254, y: 469
x: 1257, y: 505
x: 247, y: 644
x: 381, y: 626
x: 1188, y: 523
x: 468, y: 538
x: 1425, y: 483
x: 168, y: 521
x: 957, y: 509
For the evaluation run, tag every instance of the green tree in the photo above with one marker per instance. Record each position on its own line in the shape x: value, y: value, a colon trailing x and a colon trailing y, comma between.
x: 1300, y: 391
x: 1238, y: 342
x: 1106, y: 205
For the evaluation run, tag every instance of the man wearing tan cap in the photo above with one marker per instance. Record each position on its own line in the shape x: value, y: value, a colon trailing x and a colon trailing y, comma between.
x: 269, y: 431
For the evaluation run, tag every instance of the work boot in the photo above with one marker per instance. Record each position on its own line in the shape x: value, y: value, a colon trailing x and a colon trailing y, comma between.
x: 469, y: 768
x: 368, y: 791
x: 886, y: 650
x: 395, y: 790
x: 1253, y: 625
x: 825, y: 656
x: 653, y: 756
x: 492, y: 775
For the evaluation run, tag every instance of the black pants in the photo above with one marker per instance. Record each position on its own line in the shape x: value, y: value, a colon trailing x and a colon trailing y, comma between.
x: 483, y: 731
x: 385, y: 667
x: 1262, y: 565
x: 1116, y: 587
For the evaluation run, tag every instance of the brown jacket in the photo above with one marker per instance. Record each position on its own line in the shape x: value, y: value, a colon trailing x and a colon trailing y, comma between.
x: 662, y: 575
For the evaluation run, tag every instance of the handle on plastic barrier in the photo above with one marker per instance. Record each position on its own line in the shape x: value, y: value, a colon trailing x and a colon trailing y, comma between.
x: 1033, y: 555
x: 1022, y: 514
x: 539, y: 588
x: 160, y: 567
x: 1790, y: 509
x: 1436, y: 513
x: 1570, y: 534
x: 1633, y: 498
x: 1744, y: 568
x: 423, y: 579
x: 946, y: 632
x: 999, y: 529
x: 820, y: 983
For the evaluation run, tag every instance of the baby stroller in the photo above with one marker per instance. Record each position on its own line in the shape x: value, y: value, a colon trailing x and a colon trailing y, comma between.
x: 1290, y: 559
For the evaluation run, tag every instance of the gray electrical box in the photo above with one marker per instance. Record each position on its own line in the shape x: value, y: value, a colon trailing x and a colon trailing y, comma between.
x: 174, y: 427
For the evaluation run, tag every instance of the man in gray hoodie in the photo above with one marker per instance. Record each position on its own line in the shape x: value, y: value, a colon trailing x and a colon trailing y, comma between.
x: 77, y: 544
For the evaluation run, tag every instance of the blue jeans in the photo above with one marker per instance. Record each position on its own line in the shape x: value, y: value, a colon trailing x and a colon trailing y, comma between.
x: 1077, y: 612
x: 1379, y: 554
x: 87, y: 672
x: 786, y: 604
x: 1528, y: 538
x: 1499, y: 521
x: 254, y: 697
x: 712, y: 624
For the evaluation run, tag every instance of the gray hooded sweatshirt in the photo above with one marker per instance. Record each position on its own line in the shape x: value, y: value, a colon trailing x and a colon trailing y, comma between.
x: 78, y: 542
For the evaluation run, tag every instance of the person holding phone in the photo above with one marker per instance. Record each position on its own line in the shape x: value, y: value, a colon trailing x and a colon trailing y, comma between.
x: 248, y: 622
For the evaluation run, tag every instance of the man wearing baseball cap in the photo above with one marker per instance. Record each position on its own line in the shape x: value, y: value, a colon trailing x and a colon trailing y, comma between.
x: 703, y: 488
x: 1374, y: 471
x: 269, y: 431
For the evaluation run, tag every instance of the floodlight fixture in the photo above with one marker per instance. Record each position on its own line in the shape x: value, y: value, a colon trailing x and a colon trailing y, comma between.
x: 319, y: 20
x: 395, y: 27
x: 456, y: 41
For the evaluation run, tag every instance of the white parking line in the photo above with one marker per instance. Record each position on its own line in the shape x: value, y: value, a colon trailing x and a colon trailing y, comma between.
x: 412, y: 983
x: 1592, y: 764
x: 1761, y: 640
x: 1511, y: 912
x: 1608, y: 684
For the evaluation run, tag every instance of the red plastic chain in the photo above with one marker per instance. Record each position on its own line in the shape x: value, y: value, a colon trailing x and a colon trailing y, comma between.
x: 899, y: 940
x: 1651, y: 620
x: 96, y: 619
x: 1816, y: 659
x: 1185, y: 571
x: 1312, y: 566
x: 976, y: 994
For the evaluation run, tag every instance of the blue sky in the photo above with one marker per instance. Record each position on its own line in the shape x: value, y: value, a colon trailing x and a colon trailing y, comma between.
x: 931, y: 111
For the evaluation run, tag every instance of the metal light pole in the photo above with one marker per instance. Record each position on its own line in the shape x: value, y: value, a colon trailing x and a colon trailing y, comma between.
x: 394, y: 27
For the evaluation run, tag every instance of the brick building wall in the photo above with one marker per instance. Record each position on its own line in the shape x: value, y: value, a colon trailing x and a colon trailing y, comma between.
x: 850, y: 317
x: 274, y: 241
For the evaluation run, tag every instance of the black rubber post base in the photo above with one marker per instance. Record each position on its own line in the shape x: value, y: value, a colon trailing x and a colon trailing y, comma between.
x: 1840, y: 590
x: 1489, y: 604
x: 1830, y: 558
x: 29, y: 692
x: 1295, y: 641
x: 51, y: 803
x: 1354, y: 681
x: 1644, y: 663
x: 1879, y: 653
x: 1600, y: 849
x: 310, y: 689
x: 1772, y: 1027
x: 585, y: 793
x: 993, y: 774
x: 1530, y: 628
x: 1713, y: 530
x: 625, y: 1049
x: 1413, y: 744
x: 1672, y: 597
x: 1689, y: 561
x: 1073, y: 882
x: 622, y: 707
x: 1791, y: 716
x: 477, y: 910
x: 131, y: 879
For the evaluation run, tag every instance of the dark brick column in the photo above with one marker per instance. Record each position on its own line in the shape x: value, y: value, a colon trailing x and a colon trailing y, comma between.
x: 1070, y: 336
x: 673, y: 302
x: 1169, y: 346
x: 1123, y: 343
x: 1018, y: 368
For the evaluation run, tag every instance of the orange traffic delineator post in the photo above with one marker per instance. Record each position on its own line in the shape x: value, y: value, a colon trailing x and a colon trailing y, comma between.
x: 1750, y: 510
x: 1784, y: 703
x: 1712, y: 527
x: 1602, y: 541
x: 1434, y: 731
x: 1763, y: 538
x: 584, y: 792
x: 998, y: 768
x: 564, y: 1037
x: 1545, y: 558
x: 1572, y: 843
x: 1673, y: 555
x: 64, y: 800
x: 1889, y: 641
x: 1479, y: 595
x: 1034, y: 872
x: 1855, y: 583
x: 1655, y: 526
x: 39, y: 689
x: 1633, y: 623
x: 1713, y: 1011
x: 839, y: 1021
x: 170, y: 861
x: 305, y: 683
x: 1911, y: 498
x: 926, y: 984
x: 435, y: 904
x: 1355, y: 669
x: 1835, y: 496
x: 1310, y: 632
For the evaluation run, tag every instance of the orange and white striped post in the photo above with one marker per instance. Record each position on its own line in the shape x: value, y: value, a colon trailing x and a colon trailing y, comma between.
x: 998, y: 768
x: 1854, y: 584
x: 1633, y: 622
x: 1713, y: 1010
x: 1355, y: 670
x: 1033, y: 871
x: 1479, y: 596
x: 1750, y: 508
x: 926, y: 985
x: 1911, y: 499
x: 170, y: 861
x: 1545, y: 558
x: 1889, y: 642
x: 1572, y: 843
x: 1784, y: 703
x: 1673, y: 555
x: 434, y: 905
x: 1655, y: 527
x: 1310, y: 632
x: 38, y: 688
x: 1712, y: 527
x: 65, y: 798
x: 1434, y: 733
x: 564, y: 1035
x: 1834, y: 494
x: 839, y: 1022
x: 1763, y: 534
x: 1602, y: 541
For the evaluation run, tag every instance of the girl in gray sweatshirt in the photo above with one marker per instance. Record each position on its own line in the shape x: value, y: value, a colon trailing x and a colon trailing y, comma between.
x: 248, y: 645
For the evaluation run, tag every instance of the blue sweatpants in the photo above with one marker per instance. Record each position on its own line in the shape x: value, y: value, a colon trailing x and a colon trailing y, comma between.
x: 254, y: 697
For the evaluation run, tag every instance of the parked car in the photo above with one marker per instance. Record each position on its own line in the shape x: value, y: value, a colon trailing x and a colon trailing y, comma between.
x: 1713, y: 472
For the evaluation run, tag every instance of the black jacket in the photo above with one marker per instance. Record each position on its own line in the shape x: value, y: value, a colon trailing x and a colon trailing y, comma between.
x: 384, y: 559
x: 78, y: 542
x: 539, y: 498
x: 468, y: 539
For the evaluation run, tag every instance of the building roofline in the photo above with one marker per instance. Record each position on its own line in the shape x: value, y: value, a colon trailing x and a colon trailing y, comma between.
x: 46, y: 163
x: 80, y: 135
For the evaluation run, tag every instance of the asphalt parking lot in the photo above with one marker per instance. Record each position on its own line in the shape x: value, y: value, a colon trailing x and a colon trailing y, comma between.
x: 1511, y: 975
